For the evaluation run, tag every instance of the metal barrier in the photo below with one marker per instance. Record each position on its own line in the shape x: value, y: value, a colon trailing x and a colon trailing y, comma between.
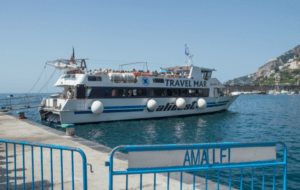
x: 52, y: 160
x: 210, y: 157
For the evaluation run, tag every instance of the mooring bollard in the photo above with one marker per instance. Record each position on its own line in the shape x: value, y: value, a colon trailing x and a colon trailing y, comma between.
x: 70, y: 129
x: 21, y: 115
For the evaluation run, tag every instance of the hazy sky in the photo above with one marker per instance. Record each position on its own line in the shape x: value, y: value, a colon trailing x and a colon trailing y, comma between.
x: 234, y: 37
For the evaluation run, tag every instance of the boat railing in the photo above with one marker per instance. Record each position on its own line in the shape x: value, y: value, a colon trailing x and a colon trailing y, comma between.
x: 22, y: 102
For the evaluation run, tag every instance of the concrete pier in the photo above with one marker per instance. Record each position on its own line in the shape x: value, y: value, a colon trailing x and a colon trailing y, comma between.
x: 25, y: 130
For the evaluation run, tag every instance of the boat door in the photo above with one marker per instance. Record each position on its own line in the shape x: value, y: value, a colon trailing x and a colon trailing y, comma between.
x: 217, y: 94
x: 80, y: 96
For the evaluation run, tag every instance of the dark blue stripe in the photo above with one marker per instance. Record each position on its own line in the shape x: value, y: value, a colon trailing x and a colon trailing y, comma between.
x: 82, y: 112
x: 216, y: 105
x: 209, y: 103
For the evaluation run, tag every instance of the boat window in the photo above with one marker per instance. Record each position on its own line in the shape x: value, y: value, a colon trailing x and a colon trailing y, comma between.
x: 142, y: 92
x: 106, y: 92
x: 114, y: 93
x: 130, y: 93
x: 151, y: 92
x: 160, y: 92
x: 158, y: 80
x: 100, y: 92
x: 183, y: 92
x: 73, y: 76
x: 134, y: 92
x: 94, y: 78
x: 172, y: 92
x: 88, y: 91
x: 66, y: 76
x: 193, y: 92
x: 122, y: 92
x: 207, y: 74
x: 204, y: 92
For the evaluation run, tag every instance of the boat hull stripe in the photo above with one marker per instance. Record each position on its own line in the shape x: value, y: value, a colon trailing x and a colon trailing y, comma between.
x: 115, y: 109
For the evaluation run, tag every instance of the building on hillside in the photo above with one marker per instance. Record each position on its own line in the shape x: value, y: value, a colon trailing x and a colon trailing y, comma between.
x: 294, y: 65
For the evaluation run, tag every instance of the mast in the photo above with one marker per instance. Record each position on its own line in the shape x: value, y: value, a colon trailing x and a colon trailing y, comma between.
x: 188, y: 57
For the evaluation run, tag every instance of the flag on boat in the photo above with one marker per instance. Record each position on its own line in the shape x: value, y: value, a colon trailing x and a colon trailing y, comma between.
x: 72, y: 56
x: 186, y: 53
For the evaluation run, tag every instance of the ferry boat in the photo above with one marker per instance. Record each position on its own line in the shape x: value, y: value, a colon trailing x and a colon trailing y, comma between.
x: 114, y: 95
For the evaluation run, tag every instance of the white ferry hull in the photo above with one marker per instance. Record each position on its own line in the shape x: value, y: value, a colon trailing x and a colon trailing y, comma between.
x: 133, y: 109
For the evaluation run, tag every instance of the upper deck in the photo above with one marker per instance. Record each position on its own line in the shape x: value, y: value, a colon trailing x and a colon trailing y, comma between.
x: 177, y: 77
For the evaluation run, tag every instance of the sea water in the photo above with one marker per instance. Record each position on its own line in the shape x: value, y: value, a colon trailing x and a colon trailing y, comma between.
x: 249, y: 118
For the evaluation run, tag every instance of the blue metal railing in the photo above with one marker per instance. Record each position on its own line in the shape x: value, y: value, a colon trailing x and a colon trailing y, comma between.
x: 280, y: 160
x: 41, y: 147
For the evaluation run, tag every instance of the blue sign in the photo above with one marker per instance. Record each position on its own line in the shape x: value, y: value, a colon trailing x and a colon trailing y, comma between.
x: 145, y: 81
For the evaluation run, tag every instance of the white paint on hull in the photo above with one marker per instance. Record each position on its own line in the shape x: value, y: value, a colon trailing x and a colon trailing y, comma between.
x: 73, y: 116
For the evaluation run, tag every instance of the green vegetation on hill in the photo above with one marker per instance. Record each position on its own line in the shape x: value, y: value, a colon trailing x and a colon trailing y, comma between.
x: 287, y: 76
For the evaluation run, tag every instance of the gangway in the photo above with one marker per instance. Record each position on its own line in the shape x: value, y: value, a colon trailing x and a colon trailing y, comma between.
x: 22, y: 102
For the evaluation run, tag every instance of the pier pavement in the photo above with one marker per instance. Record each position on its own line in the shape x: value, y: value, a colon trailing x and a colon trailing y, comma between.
x: 12, y: 128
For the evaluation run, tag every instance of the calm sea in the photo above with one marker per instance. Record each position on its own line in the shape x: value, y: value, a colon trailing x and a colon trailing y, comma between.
x: 250, y: 118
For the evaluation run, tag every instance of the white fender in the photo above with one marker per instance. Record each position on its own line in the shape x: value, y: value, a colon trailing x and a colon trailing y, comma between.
x: 97, y: 107
x: 180, y: 103
x: 201, y: 103
x: 151, y: 105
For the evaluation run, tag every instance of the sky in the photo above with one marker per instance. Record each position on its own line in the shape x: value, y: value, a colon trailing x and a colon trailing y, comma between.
x: 233, y: 36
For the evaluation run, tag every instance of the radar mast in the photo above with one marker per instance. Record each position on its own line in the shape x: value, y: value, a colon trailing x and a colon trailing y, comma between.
x: 188, y: 57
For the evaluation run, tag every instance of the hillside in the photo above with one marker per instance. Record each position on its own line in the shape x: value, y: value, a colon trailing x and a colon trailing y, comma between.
x: 271, y: 68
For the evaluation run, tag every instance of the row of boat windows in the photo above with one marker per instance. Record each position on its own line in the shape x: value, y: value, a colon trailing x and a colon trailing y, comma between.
x: 100, y: 92
x: 94, y: 78
x: 98, y: 78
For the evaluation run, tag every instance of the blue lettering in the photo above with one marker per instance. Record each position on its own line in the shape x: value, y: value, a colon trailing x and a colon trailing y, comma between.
x: 204, y: 157
x: 186, y: 158
x: 228, y: 155
x: 197, y: 160
x: 214, y: 162
x: 222, y: 155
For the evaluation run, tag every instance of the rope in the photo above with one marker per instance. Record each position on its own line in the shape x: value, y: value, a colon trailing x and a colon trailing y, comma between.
x: 43, y: 86
x: 46, y: 81
x: 31, y: 88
